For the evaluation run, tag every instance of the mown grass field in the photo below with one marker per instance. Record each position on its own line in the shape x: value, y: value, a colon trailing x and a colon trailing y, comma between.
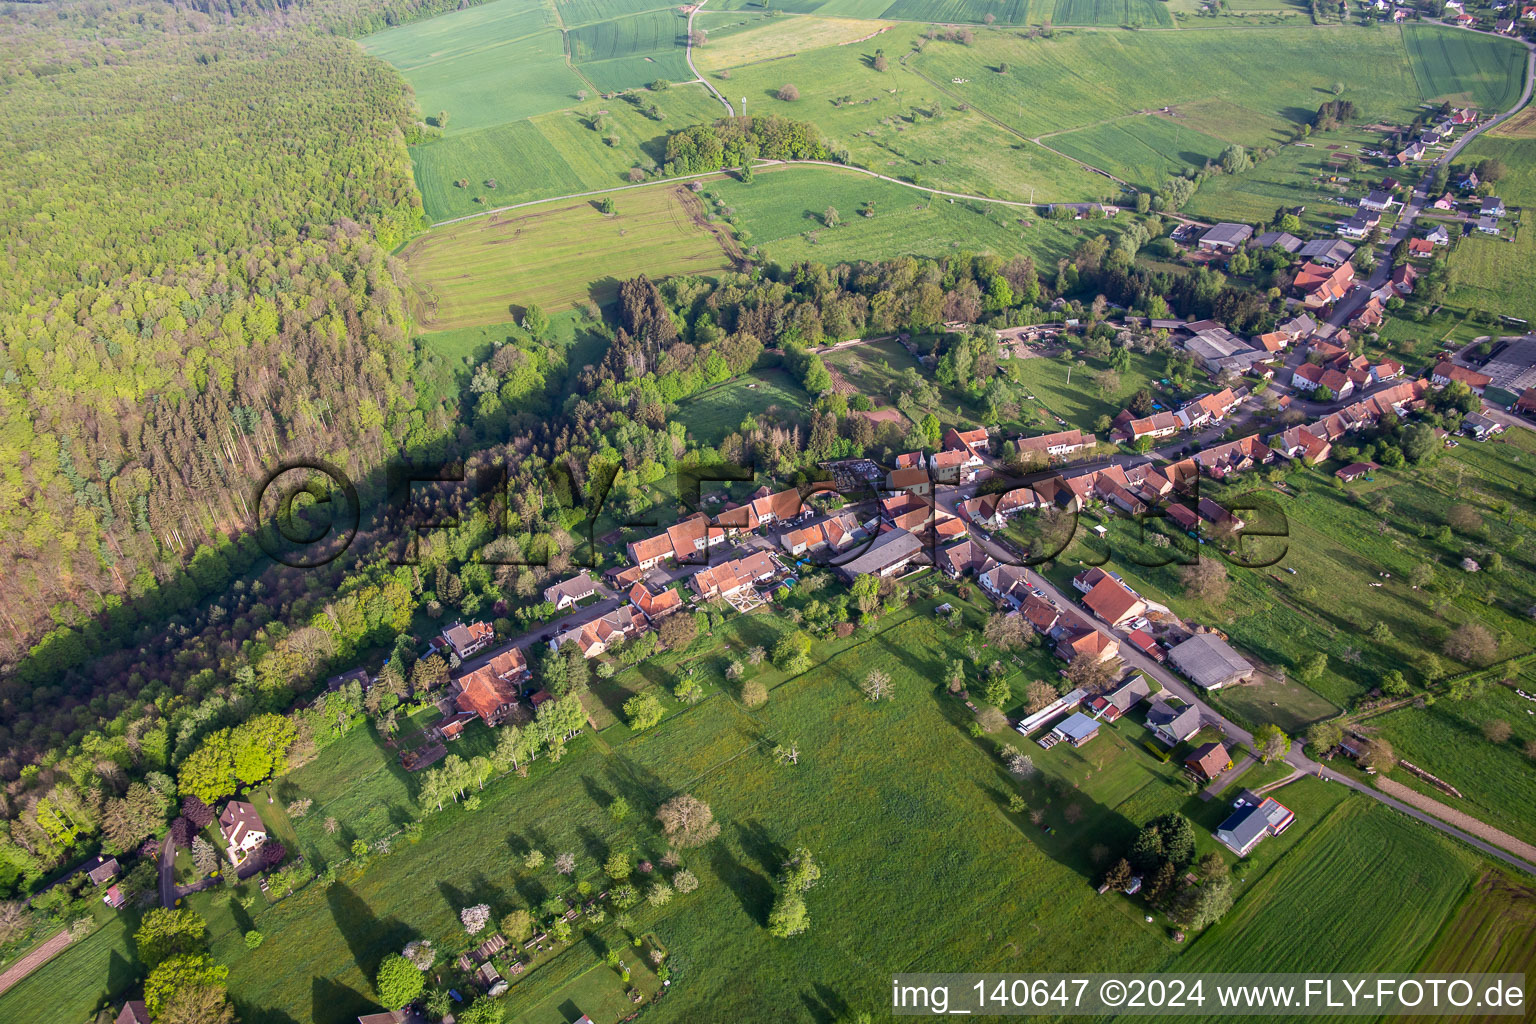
x: 779, y: 37
x: 1497, y: 780
x: 1146, y: 151
x: 719, y: 411
x: 1466, y: 66
x: 477, y: 271
x: 1139, y: 13
x: 484, y: 66
x: 1328, y: 906
x: 782, y: 211
x: 553, y: 154
x: 89, y: 974
x: 626, y: 53
x: 1498, y: 275
x: 1493, y: 929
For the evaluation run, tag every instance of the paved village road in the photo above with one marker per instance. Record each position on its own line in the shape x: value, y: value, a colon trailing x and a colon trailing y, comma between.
x: 1416, y: 200
x: 730, y: 111
x: 1210, y: 716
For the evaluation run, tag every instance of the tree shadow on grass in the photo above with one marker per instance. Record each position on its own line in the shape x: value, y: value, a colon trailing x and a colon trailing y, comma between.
x: 369, y: 938
x: 335, y: 1003
x: 753, y: 891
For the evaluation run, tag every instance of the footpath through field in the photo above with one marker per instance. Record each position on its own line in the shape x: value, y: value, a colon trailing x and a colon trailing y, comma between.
x: 35, y: 959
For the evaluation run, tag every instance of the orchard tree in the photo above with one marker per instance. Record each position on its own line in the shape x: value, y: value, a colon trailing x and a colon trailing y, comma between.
x: 687, y: 821
x: 398, y: 982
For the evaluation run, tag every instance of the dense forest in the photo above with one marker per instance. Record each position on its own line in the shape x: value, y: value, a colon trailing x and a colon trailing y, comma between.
x: 195, y: 276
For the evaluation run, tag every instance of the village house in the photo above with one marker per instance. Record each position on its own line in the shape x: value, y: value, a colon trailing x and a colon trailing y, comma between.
x: 1207, y: 409
x: 1172, y: 723
x: 1378, y: 201
x: 133, y: 1012
x: 1299, y: 443
x: 100, y: 869
x: 1445, y: 372
x: 1329, y: 252
x: 649, y: 552
x: 1438, y: 235
x: 567, y: 592
x: 889, y: 553
x: 1403, y: 278
x: 1114, y: 602
x: 1321, y: 286
x: 467, y: 640
x: 1131, y: 429
x: 483, y: 694
x: 958, y: 559
x: 1005, y: 583
x: 242, y: 829
x: 1040, y: 613
x: 1480, y: 427
x: 1369, y: 315
x: 1077, y: 638
x: 1488, y: 225
x: 1354, y: 471
x: 1361, y: 224
x: 1209, y: 661
x: 597, y: 634
x: 1297, y: 327
x: 1209, y: 761
x: 835, y: 533
x: 1055, y: 446
x: 1255, y: 818
x: 654, y: 606
x: 1076, y: 729
x: 691, y: 538
x: 1420, y: 247
x: 910, y: 481
x: 1233, y: 457
x: 1111, y: 705
x: 729, y: 578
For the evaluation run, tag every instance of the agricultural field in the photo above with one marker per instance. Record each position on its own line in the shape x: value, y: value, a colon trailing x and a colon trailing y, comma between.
x: 556, y: 153
x: 1324, y: 907
x: 781, y: 214
x: 1498, y: 275
x: 1493, y: 929
x: 484, y: 66
x: 1146, y: 151
x: 1494, y: 777
x: 87, y: 975
x: 477, y: 271
x: 765, y: 40
x: 627, y: 53
x: 1466, y: 66
x: 713, y: 414
x: 1136, y: 13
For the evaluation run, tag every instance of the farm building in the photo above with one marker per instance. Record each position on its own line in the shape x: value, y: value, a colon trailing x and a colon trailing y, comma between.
x: 1225, y: 237
x: 890, y: 552
x: 1209, y: 662
x: 1077, y: 729
x: 1255, y: 818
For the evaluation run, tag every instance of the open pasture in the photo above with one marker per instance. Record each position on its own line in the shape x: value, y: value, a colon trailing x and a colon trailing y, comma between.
x: 1496, y: 779
x: 782, y: 214
x: 712, y: 415
x: 1493, y: 929
x: 458, y: 34
x: 1144, y: 150
x: 1007, y: 12
x: 653, y: 32
x: 477, y: 271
